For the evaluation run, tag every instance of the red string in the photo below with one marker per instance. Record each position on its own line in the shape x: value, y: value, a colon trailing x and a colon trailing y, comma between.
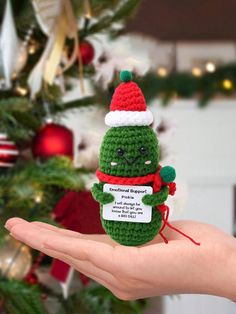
x: 165, y: 215
x: 182, y: 233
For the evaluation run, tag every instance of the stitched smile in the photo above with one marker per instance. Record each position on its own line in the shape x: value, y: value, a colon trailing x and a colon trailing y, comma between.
x: 132, y: 161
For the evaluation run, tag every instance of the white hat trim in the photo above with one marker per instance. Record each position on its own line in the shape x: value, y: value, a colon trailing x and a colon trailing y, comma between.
x: 128, y: 118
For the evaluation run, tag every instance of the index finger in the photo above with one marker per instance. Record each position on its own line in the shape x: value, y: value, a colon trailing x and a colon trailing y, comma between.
x: 100, y: 254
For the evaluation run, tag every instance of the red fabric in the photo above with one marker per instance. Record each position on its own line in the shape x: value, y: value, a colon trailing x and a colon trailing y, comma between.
x: 128, y: 97
x: 84, y: 279
x: 76, y: 211
x: 59, y: 270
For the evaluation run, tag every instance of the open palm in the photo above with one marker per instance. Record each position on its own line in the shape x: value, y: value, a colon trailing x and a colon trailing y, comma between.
x: 137, y: 272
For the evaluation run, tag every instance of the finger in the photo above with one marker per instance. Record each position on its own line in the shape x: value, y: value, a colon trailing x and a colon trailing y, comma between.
x: 31, y: 236
x: 98, y: 253
x: 96, y: 237
x: 88, y: 269
x: 12, y: 222
x: 43, y: 225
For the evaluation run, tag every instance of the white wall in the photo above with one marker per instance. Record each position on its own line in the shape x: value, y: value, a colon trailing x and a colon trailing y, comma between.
x: 205, y: 143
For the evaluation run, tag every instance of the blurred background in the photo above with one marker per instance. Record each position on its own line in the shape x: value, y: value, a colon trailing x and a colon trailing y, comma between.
x: 59, y: 66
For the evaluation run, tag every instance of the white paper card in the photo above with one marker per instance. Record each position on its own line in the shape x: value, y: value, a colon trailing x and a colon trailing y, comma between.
x: 128, y: 205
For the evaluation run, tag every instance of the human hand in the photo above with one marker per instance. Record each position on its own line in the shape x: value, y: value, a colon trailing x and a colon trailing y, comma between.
x: 137, y: 272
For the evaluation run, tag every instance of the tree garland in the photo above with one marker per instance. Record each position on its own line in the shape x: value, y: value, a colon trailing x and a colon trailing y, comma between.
x: 186, y: 85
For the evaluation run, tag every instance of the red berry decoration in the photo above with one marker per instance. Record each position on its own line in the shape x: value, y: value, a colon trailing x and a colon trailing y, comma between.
x: 86, y: 52
x: 53, y: 140
x: 8, y: 152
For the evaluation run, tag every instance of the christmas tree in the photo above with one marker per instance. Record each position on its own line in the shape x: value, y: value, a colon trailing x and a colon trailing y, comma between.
x: 44, y: 46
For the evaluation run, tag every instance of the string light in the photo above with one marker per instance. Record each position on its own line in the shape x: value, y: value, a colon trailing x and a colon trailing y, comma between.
x: 162, y: 72
x: 38, y: 198
x: 210, y: 67
x: 32, y: 47
x: 196, y: 71
x: 227, y: 84
x: 22, y: 91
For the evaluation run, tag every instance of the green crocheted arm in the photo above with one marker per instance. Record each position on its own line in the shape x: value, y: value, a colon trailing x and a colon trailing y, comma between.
x: 157, y: 198
x: 100, y: 196
x: 168, y: 174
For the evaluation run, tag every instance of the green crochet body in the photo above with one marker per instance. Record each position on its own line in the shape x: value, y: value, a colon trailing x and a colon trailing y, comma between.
x: 130, y: 152
x: 133, y: 233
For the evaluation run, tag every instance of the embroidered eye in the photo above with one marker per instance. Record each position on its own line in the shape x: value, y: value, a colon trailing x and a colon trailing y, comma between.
x: 120, y: 152
x: 143, y: 150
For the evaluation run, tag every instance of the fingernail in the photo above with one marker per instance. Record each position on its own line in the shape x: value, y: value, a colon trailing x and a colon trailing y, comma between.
x: 7, y: 226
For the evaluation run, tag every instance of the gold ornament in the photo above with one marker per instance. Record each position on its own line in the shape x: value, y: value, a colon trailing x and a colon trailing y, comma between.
x: 15, y: 259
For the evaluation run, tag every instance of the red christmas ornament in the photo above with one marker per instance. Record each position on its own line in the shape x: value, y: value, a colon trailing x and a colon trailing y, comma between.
x: 53, y: 140
x: 87, y: 52
x: 32, y: 279
x: 8, y: 152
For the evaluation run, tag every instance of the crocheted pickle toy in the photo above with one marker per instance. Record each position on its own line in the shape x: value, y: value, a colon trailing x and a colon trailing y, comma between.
x: 129, y: 157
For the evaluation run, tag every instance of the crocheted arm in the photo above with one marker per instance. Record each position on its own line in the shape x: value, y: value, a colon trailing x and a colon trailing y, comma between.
x: 157, y: 198
x: 168, y: 174
x: 100, y: 196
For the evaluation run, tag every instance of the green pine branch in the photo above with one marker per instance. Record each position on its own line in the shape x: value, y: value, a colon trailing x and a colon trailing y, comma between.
x: 19, y: 298
x: 23, y: 185
x: 124, y: 10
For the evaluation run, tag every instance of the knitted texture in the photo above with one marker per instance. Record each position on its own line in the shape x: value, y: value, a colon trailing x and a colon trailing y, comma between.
x: 128, y: 97
x: 128, y: 233
x: 128, y: 105
x: 133, y: 233
x: 100, y: 196
x: 126, y: 76
x: 168, y: 174
x: 132, y: 118
x: 129, y: 152
x: 157, y: 198
x: 129, y: 155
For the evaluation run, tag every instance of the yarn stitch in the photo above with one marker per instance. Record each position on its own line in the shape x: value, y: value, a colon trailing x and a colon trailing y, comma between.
x: 129, y: 155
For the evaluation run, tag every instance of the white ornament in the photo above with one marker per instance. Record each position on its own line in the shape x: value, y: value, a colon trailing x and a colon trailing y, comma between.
x: 20, y: 59
x: 9, y: 45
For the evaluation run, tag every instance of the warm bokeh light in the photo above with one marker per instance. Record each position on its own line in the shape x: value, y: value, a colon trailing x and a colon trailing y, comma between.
x: 196, y: 71
x: 162, y: 72
x: 227, y: 84
x: 210, y: 67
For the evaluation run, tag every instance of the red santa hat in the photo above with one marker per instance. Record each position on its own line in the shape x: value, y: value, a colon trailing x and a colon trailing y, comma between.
x: 128, y: 106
